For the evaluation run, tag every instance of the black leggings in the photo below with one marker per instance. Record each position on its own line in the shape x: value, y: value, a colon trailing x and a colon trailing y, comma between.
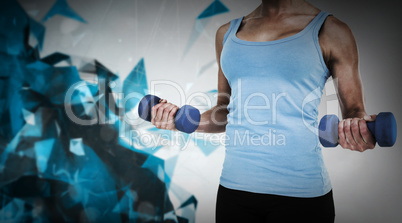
x: 241, y: 206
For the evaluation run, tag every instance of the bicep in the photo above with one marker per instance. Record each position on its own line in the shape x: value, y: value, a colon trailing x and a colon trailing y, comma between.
x: 224, y: 89
x: 343, y: 64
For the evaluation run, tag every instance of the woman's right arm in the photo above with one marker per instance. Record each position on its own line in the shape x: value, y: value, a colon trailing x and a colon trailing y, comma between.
x: 212, y: 121
x: 215, y: 119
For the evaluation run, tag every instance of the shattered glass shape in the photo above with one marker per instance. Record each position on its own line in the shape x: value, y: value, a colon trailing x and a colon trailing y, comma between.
x: 56, y: 58
x: 13, y: 23
x: 202, y: 20
x: 135, y: 85
x: 54, y: 166
x: 61, y: 7
x: 206, y: 146
x: 38, y: 31
x: 216, y: 7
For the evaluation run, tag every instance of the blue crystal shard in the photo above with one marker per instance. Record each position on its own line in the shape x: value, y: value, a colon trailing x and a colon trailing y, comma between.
x: 135, y: 85
x: 206, y: 146
x: 38, y: 31
x: 61, y: 7
x: 216, y: 7
x: 55, y: 58
x: 54, y: 168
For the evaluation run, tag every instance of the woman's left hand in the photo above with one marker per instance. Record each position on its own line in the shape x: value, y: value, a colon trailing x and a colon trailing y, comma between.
x: 354, y: 134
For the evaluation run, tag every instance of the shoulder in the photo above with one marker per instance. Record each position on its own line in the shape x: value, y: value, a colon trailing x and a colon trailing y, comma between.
x: 220, y: 33
x: 337, y: 41
x: 336, y: 33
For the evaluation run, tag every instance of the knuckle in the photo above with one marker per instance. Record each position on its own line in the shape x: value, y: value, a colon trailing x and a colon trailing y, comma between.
x: 174, y: 110
x: 340, y: 125
x: 172, y: 113
x: 156, y: 110
x: 340, y: 130
x: 343, y: 144
x: 354, y: 124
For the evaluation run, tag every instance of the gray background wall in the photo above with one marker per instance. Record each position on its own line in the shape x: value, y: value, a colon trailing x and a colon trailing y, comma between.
x: 367, y: 186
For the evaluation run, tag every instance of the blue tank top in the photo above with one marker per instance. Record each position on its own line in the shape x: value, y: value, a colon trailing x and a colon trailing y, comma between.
x: 271, y: 142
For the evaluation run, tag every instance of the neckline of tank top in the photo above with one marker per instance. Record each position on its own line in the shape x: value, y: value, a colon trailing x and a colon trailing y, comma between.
x: 294, y: 36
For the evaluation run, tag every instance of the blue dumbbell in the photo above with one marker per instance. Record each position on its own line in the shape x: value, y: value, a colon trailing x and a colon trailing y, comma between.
x: 383, y: 129
x: 186, y: 120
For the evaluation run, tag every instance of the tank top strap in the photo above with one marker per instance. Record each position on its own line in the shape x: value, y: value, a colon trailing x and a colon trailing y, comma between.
x: 317, y: 23
x: 232, y: 28
x: 320, y: 19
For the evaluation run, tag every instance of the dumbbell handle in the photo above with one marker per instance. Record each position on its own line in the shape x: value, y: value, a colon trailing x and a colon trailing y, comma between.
x: 187, y: 118
x: 383, y: 129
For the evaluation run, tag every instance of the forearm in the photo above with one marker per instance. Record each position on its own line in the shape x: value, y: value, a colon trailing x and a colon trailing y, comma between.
x: 354, y: 113
x: 214, y: 120
x: 351, y: 99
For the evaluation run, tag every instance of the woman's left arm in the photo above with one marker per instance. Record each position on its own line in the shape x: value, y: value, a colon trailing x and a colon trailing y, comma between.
x: 341, y: 57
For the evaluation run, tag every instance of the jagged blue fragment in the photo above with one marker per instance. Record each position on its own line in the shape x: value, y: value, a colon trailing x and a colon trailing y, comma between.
x: 192, y: 200
x: 156, y: 165
x: 107, y: 102
x: 61, y: 7
x: 216, y: 7
x: 206, y: 146
x: 52, y: 82
x: 42, y: 153
x: 38, y: 31
x: 13, y: 210
x: 135, y: 85
x: 170, y: 165
x: 77, y: 147
x: 83, y: 170
x: 205, y: 67
x: 55, y: 58
x: 14, y: 27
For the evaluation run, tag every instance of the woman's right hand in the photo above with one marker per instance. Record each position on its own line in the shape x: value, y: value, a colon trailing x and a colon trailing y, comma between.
x: 163, y: 115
